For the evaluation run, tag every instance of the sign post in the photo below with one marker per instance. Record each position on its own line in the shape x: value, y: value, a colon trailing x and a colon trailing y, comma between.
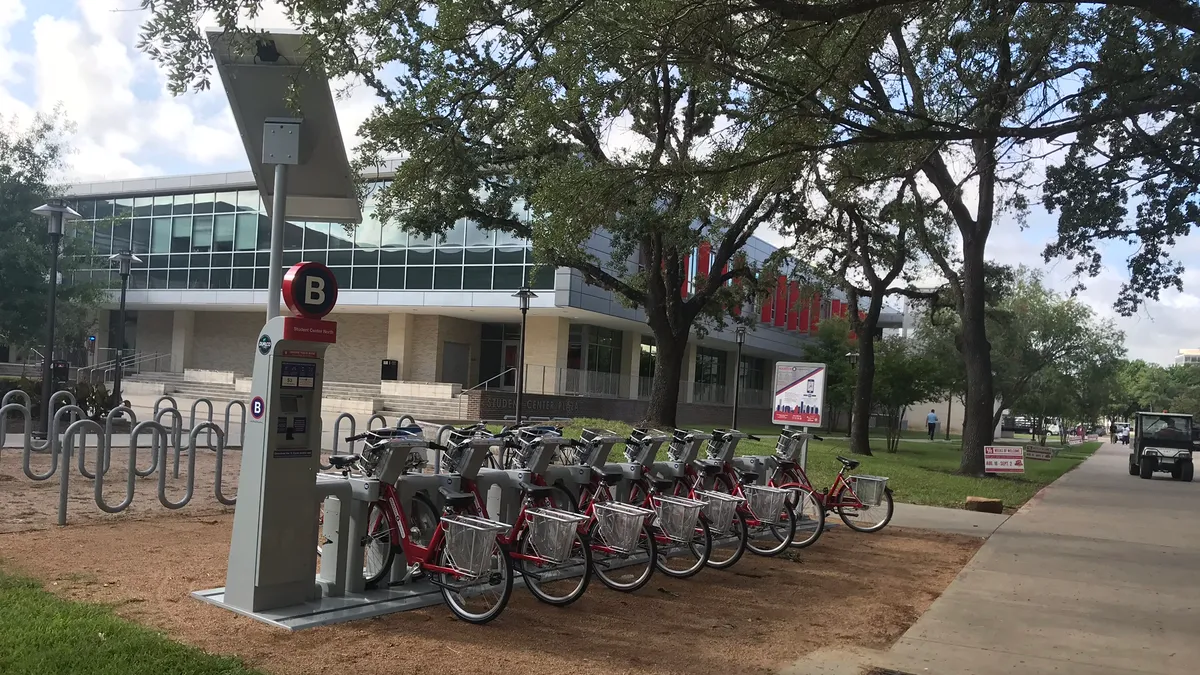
x: 1003, y: 459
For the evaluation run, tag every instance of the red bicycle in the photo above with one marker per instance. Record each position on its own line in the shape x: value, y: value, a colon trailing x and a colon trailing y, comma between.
x: 762, y: 517
x: 624, y: 550
x: 459, y: 551
x: 864, y: 503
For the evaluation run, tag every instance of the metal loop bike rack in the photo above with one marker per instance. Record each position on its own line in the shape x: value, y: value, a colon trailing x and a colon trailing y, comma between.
x: 176, y: 435
x: 337, y: 436
x: 192, y: 418
x: 68, y: 445
x: 13, y: 394
x: 242, y: 424
x: 376, y: 416
x: 165, y: 397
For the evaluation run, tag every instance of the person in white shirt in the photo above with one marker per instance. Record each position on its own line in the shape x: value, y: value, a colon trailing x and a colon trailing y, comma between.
x: 932, y: 420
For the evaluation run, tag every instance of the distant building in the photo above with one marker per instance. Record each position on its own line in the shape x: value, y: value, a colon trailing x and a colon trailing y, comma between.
x: 1187, y: 356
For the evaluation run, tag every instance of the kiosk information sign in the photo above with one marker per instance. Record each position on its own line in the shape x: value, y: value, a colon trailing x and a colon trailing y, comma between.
x: 799, y: 394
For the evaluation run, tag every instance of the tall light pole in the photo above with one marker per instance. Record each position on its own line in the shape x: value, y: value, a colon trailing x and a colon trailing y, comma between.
x: 852, y: 359
x: 524, y: 296
x: 740, y: 336
x: 124, y: 260
x: 56, y: 212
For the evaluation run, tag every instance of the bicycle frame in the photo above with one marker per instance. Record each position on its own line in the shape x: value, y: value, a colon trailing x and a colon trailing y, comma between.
x: 828, y: 498
x: 697, y: 481
x: 414, y: 553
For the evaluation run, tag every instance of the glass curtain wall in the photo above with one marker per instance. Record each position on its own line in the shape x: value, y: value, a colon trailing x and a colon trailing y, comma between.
x: 709, y: 383
x: 221, y: 240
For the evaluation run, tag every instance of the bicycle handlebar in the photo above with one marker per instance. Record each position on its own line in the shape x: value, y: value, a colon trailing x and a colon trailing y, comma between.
x: 753, y: 437
x: 817, y: 437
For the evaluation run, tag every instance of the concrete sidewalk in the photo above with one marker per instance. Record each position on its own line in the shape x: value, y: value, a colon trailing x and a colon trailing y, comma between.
x: 953, y: 521
x: 1099, y: 575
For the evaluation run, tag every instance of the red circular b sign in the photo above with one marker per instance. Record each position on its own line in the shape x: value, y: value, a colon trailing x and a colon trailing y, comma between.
x: 310, y: 290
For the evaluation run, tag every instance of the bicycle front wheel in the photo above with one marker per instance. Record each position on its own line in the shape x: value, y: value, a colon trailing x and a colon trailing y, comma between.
x: 729, y: 546
x: 810, y: 517
x: 379, y: 548
x: 557, y: 584
x: 867, y: 517
x: 481, y: 599
x: 682, y: 559
x: 772, y: 538
x: 619, y: 571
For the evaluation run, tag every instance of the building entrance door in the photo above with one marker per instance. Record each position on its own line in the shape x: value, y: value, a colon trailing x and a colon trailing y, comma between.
x: 456, y: 362
x: 512, y: 352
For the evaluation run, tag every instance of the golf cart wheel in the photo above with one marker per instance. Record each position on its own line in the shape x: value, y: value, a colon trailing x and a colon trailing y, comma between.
x: 1177, y: 471
x: 1146, y: 468
x: 1133, y: 467
x: 1186, y: 472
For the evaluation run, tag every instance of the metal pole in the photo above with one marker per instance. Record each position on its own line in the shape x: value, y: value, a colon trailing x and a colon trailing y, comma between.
x: 521, y: 365
x: 737, y: 385
x: 47, y: 384
x: 120, y: 340
x: 275, y: 277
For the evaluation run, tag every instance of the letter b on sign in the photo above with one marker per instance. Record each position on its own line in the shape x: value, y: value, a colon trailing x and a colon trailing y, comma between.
x: 315, y: 293
x: 310, y: 290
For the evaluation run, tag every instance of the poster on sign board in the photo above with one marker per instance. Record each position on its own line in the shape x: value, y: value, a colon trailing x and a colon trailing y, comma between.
x: 799, y: 394
x: 1003, y: 459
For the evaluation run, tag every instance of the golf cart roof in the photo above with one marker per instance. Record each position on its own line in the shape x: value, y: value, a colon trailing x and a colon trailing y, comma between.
x: 1165, y: 414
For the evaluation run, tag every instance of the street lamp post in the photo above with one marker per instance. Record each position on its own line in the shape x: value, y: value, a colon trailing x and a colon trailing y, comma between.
x: 124, y: 260
x: 524, y: 296
x: 852, y: 359
x: 740, y: 335
x: 56, y: 212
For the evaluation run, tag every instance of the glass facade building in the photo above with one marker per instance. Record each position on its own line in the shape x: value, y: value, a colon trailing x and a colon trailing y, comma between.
x: 221, y: 240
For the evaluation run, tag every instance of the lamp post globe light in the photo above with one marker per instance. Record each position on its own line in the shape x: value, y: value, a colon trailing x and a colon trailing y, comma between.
x: 852, y: 359
x: 124, y: 261
x: 57, y: 213
x: 740, y: 336
x: 523, y: 296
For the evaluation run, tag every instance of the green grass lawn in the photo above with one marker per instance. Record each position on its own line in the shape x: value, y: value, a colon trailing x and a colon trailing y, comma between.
x: 918, y: 473
x: 42, y: 634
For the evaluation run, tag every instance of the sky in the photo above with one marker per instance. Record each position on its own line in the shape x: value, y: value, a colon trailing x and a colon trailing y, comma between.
x: 80, y: 57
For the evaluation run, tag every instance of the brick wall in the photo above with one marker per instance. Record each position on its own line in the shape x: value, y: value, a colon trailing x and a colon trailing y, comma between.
x: 154, y: 333
x: 361, y: 345
x: 498, y: 404
x: 225, y: 341
x: 425, y: 348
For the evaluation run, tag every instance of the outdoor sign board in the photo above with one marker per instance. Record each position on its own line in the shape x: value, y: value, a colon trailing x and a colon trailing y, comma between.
x: 799, y: 394
x: 1003, y: 459
x: 1039, y: 452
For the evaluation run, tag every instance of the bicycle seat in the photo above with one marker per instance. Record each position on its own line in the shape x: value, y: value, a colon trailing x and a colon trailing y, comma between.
x: 342, y: 461
x: 537, y: 491
x: 749, y: 477
x: 665, y: 486
x: 709, y: 467
x: 609, y: 476
x: 848, y: 463
x: 456, y: 499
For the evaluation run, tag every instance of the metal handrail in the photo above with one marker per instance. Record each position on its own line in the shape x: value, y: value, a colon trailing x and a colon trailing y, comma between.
x: 498, y: 375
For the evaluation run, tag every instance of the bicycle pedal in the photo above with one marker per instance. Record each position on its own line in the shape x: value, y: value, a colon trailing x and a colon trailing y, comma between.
x: 495, y: 578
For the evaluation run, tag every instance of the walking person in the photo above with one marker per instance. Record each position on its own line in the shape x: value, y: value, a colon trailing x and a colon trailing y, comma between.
x: 1112, y: 430
x: 932, y: 420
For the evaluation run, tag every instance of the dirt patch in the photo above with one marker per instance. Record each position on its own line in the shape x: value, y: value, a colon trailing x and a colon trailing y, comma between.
x: 849, y: 589
x: 33, y: 505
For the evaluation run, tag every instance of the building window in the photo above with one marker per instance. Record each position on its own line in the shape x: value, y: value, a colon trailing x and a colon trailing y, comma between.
x: 646, y: 362
x: 709, y: 383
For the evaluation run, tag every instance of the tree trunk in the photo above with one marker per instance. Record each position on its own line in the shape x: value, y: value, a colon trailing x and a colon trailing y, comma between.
x: 668, y: 372
x: 977, y: 355
x: 860, y: 435
x: 949, y: 407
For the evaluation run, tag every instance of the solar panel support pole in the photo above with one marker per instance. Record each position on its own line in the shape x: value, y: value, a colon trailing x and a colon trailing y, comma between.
x: 281, y: 147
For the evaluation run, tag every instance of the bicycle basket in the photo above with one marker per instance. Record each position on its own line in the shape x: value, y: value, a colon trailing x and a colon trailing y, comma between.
x: 723, y: 444
x: 719, y: 509
x: 620, y: 525
x: 466, y: 459
x: 394, y: 457
x: 642, y: 446
x: 470, y: 542
x: 537, y: 452
x: 598, y: 444
x: 552, y: 532
x: 787, y: 448
x: 677, y: 516
x: 766, y: 503
x: 870, y: 489
x: 685, y: 445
